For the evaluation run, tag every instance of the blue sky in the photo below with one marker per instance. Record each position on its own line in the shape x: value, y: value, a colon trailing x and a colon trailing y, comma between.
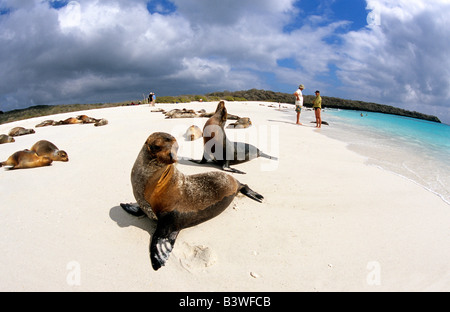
x: 85, y: 51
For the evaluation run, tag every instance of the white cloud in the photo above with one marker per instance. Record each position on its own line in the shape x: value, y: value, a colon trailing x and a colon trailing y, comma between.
x: 403, y: 61
x: 116, y: 50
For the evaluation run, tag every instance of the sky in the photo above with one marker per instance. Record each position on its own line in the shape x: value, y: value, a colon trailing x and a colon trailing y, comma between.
x: 392, y: 52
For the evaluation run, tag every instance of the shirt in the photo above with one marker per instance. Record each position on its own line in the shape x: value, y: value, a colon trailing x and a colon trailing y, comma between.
x: 317, y: 102
x: 300, y: 95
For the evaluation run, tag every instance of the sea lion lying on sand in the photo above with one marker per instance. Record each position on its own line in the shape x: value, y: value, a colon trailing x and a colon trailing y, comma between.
x: 241, y: 123
x: 6, y: 139
x: 179, y: 201
x: 26, y: 159
x: 48, y: 149
x: 17, y: 131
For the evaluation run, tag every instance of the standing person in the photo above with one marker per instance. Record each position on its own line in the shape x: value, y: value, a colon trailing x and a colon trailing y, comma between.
x: 317, y: 105
x: 299, y: 102
x: 154, y: 99
x: 150, y: 98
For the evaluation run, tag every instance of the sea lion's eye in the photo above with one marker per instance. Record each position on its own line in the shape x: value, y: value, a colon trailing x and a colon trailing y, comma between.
x: 155, y: 148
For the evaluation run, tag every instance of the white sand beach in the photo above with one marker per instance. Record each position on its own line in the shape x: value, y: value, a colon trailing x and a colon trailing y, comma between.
x: 328, y: 222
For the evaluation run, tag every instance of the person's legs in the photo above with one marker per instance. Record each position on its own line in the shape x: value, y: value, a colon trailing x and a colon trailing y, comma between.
x: 318, y: 118
x: 298, y: 110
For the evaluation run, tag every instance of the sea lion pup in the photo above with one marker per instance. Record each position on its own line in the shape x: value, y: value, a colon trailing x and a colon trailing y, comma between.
x: 6, y: 139
x: 179, y: 201
x: 222, y: 151
x: 48, y: 149
x: 193, y: 133
x: 17, y: 131
x: 26, y: 159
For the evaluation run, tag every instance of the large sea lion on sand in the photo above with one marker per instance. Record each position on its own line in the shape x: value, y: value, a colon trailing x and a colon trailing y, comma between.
x: 178, y: 201
x: 26, y: 159
x: 6, y: 139
x: 46, y: 148
x: 222, y: 151
x: 17, y: 131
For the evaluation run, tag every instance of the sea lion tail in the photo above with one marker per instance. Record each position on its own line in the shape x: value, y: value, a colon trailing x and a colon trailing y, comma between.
x: 247, y: 191
x: 262, y: 154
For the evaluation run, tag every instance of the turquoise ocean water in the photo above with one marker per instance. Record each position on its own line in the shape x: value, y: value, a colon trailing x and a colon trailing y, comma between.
x: 414, y: 149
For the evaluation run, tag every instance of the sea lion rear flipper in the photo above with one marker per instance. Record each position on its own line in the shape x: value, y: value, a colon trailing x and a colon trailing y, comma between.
x: 262, y: 154
x: 226, y: 167
x: 247, y: 191
x: 161, y: 245
x: 203, y: 161
x: 134, y: 210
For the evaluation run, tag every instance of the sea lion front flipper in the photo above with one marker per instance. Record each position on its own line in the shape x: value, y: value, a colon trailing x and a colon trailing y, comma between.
x: 134, y: 210
x: 247, y: 191
x: 162, y: 244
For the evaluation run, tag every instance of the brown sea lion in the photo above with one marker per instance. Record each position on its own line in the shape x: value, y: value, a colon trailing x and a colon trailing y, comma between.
x: 46, y: 123
x: 6, y: 139
x: 26, y: 159
x: 179, y: 201
x: 48, y: 149
x: 87, y: 119
x: 17, y: 131
x: 241, y: 123
x: 193, y: 133
x: 181, y: 113
x: 220, y: 150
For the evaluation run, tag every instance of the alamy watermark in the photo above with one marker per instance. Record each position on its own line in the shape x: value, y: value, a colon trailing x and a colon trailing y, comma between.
x: 374, y: 276
x: 73, y: 277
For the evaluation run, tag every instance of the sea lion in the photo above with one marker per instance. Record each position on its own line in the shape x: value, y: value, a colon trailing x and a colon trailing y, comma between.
x: 6, y: 139
x: 46, y: 123
x: 48, y: 149
x: 17, y: 131
x: 193, y: 133
x: 241, y: 123
x: 26, y: 159
x: 101, y: 122
x: 222, y: 151
x: 86, y: 119
x: 181, y: 113
x: 179, y: 201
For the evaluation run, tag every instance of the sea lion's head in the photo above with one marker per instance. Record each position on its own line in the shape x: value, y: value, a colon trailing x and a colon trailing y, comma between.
x: 62, y: 155
x: 221, y: 111
x: 163, y: 147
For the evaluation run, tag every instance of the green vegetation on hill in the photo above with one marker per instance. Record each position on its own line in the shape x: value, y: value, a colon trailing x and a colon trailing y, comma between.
x: 248, y: 95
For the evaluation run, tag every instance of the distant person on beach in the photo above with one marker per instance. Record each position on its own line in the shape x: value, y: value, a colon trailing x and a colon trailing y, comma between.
x: 150, y: 98
x: 317, y: 105
x: 299, y: 102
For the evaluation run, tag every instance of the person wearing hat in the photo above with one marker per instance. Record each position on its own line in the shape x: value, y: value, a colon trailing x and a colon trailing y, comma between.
x: 317, y: 105
x: 299, y: 102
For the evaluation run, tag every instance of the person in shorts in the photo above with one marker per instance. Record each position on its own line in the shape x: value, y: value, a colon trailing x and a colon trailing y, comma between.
x: 299, y: 102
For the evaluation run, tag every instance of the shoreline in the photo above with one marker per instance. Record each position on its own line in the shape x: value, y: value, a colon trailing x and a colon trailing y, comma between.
x: 329, y: 221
